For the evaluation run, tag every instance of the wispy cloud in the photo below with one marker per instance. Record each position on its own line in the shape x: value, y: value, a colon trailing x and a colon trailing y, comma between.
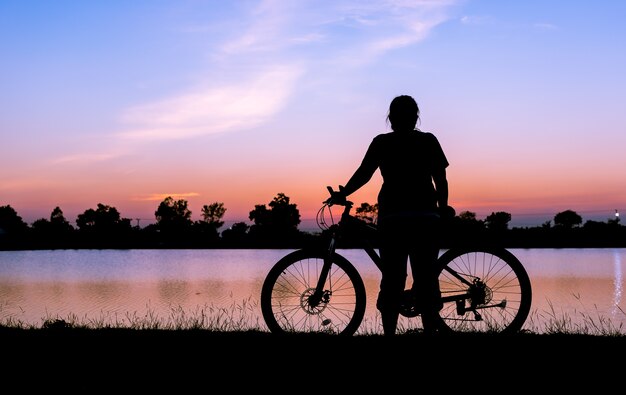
x: 475, y: 19
x: 382, y: 26
x: 271, y: 37
x: 546, y: 26
x: 85, y: 158
x: 415, y: 32
x: 215, y: 109
x: 158, y: 197
x: 264, y: 28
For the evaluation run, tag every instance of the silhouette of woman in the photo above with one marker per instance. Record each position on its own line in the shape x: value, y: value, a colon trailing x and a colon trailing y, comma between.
x: 413, y: 196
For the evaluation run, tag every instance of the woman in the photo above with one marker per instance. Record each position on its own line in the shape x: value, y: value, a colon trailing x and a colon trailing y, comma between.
x: 413, y: 194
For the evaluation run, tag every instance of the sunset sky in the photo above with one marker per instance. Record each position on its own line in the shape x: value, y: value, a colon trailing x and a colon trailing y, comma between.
x: 127, y: 102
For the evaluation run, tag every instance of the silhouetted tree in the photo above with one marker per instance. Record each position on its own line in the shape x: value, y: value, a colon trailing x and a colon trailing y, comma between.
x: 498, y: 221
x: 463, y: 229
x: 468, y: 216
x: 173, y: 215
x: 55, y: 230
x: 466, y: 222
x: 58, y: 223
x: 278, y: 224
x: 11, y: 223
x: 367, y: 212
x: 213, y: 214
x: 567, y: 219
x: 595, y: 226
x: 237, y: 234
x: 103, y: 228
x: 206, y: 228
x: 104, y: 219
x: 14, y: 232
x: 41, y: 226
x: 282, y: 215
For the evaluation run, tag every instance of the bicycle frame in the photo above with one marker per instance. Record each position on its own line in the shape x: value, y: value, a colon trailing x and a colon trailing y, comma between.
x: 347, y: 221
x: 317, y: 289
x: 336, y: 230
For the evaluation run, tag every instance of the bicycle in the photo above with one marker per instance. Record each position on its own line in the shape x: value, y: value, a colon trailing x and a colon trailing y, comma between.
x: 315, y: 289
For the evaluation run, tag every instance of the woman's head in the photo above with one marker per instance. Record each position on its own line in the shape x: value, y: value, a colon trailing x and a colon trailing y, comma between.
x: 403, y: 113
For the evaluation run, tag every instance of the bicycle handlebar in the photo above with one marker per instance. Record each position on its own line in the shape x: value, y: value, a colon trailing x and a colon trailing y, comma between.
x: 337, y: 197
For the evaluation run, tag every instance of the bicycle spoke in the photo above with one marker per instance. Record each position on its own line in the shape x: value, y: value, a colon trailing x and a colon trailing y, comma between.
x: 290, y: 302
x: 502, y: 301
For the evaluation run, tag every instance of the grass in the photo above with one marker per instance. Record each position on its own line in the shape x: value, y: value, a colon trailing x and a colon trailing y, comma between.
x: 243, y: 317
x: 211, y: 347
x: 238, y: 317
x: 589, y: 321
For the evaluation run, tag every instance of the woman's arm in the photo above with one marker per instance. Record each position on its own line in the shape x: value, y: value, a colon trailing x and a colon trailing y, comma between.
x: 364, y: 172
x: 441, y: 187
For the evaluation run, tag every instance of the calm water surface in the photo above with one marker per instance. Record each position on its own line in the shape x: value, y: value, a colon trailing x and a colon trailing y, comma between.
x: 580, y: 287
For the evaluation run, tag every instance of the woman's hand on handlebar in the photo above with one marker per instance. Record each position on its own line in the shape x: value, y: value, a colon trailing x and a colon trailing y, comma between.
x: 336, y: 197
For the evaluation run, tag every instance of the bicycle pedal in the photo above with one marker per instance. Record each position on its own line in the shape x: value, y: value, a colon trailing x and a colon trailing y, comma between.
x: 326, y: 322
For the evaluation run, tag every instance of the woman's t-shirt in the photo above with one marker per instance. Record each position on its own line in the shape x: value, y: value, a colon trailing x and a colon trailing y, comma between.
x: 406, y: 161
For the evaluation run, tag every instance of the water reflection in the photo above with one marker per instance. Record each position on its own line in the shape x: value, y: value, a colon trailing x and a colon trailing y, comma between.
x: 102, y: 285
x: 617, y: 284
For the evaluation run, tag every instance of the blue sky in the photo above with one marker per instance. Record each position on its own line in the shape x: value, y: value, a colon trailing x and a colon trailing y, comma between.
x: 124, y: 103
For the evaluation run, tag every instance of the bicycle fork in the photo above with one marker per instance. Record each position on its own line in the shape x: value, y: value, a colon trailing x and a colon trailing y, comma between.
x: 321, y: 295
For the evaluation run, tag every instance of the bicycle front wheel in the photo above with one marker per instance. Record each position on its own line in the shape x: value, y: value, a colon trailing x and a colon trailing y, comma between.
x: 483, y: 290
x: 286, y: 296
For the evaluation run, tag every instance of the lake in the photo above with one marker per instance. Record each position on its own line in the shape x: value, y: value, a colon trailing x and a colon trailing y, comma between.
x: 577, y: 288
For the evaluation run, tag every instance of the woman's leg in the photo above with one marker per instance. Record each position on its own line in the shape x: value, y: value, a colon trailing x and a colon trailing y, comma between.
x: 392, y: 286
x: 394, y: 256
x: 423, y: 258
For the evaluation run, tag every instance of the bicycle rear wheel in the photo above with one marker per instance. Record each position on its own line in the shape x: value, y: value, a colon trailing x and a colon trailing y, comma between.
x: 484, y: 290
x: 289, y: 285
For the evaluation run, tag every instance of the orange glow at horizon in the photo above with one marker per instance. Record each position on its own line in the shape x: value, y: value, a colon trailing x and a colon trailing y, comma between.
x: 476, y: 189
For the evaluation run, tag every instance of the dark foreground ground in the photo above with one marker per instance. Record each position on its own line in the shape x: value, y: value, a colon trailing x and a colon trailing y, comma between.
x: 141, y: 361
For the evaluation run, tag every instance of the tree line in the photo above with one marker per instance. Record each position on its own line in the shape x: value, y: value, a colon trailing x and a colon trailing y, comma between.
x: 276, y: 225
